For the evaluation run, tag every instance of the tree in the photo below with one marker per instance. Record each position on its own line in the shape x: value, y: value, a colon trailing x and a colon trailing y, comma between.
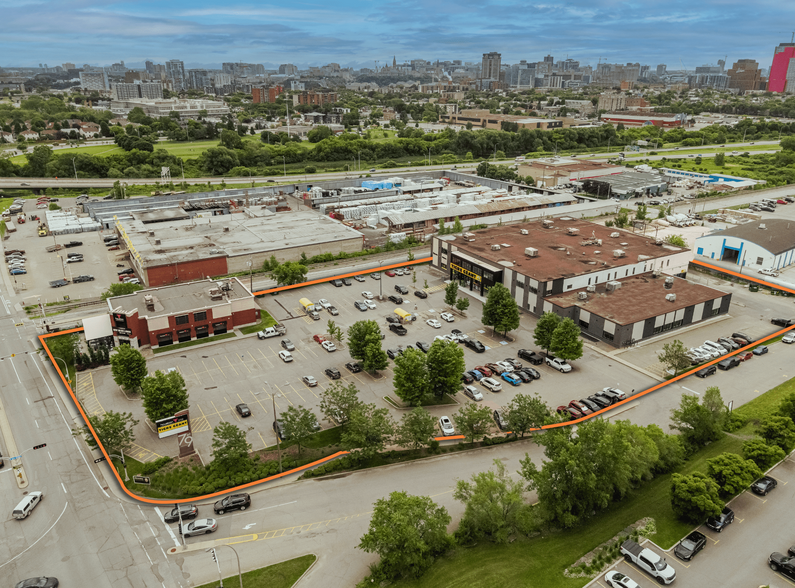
x: 338, y: 401
x: 677, y: 240
x: 231, y: 140
x: 621, y: 220
x: 317, y: 134
x: 128, y: 367
x: 408, y: 533
x: 457, y: 226
x: 334, y: 331
x: 230, y: 448
x: 673, y: 356
x: 697, y: 424
x: 778, y: 430
x: 411, y: 376
x: 788, y: 144
x: 299, y: 423
x: 720, y: 159
x: 473, y: 421
x: 493, y: 505
x: 416, y: 429
x: 761, y: 453
x: 566, y: 342
x: 368, y: 430
x: 120, y: 289
x: 526, y: 412
x: 450, y: 293
x: 358, y: 335
x: 545, y: 328
x: 642, y: 212
x: 164, y: 395
x: 64, y: 347
x: 500, y: 311
x: 732, y: 473
x: 462, y: 304
x: 695, y: 497
x: 670, y: 450
x: 445, y: 365
x: 114, y: 430
x: 375, y: 357
x: 289, y: 273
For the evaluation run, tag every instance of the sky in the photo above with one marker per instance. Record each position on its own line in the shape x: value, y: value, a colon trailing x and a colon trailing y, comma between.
x: 356, y: 33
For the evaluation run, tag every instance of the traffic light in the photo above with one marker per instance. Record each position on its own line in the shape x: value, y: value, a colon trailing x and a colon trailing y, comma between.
x: 39, y: 446
x: 214, y: 558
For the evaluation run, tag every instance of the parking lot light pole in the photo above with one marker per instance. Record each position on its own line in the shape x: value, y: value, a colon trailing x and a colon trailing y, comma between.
x: 275, y: 418
x: 239, y: 573
x: 65, y: 370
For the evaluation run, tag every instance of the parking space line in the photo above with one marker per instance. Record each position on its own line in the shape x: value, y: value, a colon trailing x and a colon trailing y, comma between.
x: 258, y: 401
x: 218, y: 412
x: 254, y: 359
x: 265, y: 357
x: 298, y: 393
x: 232, y: 409
x: 220, y: 369
x: 209, y: 373
x: 243, y: 362
x: 284, y: 395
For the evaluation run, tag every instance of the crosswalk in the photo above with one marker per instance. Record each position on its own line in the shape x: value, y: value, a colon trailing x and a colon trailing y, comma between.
x: 87, y: 394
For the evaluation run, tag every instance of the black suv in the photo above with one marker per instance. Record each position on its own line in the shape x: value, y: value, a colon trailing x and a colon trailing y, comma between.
x: 333, y: 373
x: 401, y: 289
x: 396, y: 299
x: 73, y: 244
x: 782, y: 322
x: 188, y: 511
x: 398, y: 329
x: 393, y: 353
x: 422, y: 346
x: 729, y: 363
x: 420, y: 294
x: 353, y: 367
x: 127, y: 270
x: 707, y: 371
x: 530, y: 356
x: 232, y: 502
x: 83, y: 279
x: 475, y: 345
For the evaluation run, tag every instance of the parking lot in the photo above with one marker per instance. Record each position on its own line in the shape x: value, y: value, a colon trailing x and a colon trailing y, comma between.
x: 738, y: 555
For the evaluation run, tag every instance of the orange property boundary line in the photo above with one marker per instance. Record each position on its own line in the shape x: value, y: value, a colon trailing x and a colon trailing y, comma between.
x: 43, y: 338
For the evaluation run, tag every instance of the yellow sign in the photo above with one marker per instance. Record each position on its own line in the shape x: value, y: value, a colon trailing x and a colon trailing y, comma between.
x: 467, y: 273
x: 19, y: 324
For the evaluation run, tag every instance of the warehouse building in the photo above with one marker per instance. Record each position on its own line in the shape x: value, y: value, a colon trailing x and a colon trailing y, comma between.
x: 760, y: 244
x: 555, y: 263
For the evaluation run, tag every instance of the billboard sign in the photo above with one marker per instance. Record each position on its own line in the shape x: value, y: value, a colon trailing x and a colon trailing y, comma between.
x: 172, y: 425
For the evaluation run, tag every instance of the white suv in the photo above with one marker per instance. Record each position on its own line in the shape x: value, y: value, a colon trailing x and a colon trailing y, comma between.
x: 446, y: 426
x: 716, y: 346
x: 491, y: 384
x: 558, y: 364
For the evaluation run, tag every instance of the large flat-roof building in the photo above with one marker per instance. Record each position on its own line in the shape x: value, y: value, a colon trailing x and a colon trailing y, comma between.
x: 552, y: 171
x: 769, y: 243
x: 554, y: 257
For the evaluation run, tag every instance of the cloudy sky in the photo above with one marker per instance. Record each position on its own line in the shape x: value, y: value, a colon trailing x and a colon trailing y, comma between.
x: 358, y: 32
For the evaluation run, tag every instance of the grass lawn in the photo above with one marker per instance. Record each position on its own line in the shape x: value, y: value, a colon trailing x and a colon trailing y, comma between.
x: 194, y: 342
x: 266, y: 320
x: 325, y: 438
x: 763, y: 405
x: 280, y: 575
x: 705, y: 149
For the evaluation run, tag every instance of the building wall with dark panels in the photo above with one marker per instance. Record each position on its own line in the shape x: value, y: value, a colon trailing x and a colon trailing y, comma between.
x: 188, y: 271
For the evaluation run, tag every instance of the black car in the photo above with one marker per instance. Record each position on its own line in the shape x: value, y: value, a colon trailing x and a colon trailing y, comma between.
x: 398, y: 329
x: 499, y: 418
x: 467, y: 378
x: 278, y: 428
x: 79, y: 279
x: 599, y: 401
x: 707, y: 371
x: 742, y: 335
x: 37, y: 582
x: 763, y: 485
x: 728, y: 363
x: 779, y: 562
x: 337, y: 283
x: 608, y: 398
x: 353, y: 367
x: 333, y: 373
x: 422, y: 346
x: 420, y: 293
x: 532, y: 372
x: 73, y: 244
x: 590, y: 404
x: 127, y: 270
x: 396, y: 299
x: 232, y: 502
x: 761, y: 350
x: 524, y: 376
x: 475, y: 345
x: 188, y: 511
x: 782, y: 322
x: 401, y: 289
x: 347, y: 281
x: 690, y: 546
x: 243, y: 410
x: 360, y: 305
x: 393, y: 353
x: 530, y: 356
x: 718, y: 523
x: 392, y: 319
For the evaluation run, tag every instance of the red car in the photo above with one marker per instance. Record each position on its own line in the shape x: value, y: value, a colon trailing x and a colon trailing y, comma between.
x: 495, y: 369
x: 319, y: 338
x: 780, y: 201
x: 745, y: 356
x: 580, y: 407
x: 484, y: 370
x: 569, y: 412
x: 390, y: 273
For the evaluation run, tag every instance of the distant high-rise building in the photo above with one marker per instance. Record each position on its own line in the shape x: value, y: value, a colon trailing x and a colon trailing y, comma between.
x: 68, y: 65
x: 288, y: 69
x: 549, y: 59
x: 94, y: 81
x: 138, y: 91
x: 661, y: 69
x: 490, y: 68
x: 150, y: 67
x: 746, y: 76
x: 175, y: 71
x: 197, y: 79
x: 782, y: 72
x: 722, y: 64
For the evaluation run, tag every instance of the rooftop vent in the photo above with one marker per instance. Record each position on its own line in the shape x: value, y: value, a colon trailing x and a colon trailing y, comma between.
x: 670, y: 297
x: 469, y: 236
x: 505, y: 245
x: 495, y: 247
x: 573, y: 231
x: 612, y: 286
x: 226, y: 229
x: 151, y: 233
x: 619, y: 253
x: 215, y: 294
x: 548, y: 223
x: 531, y: 252
x: 762, y: 226
x: 525, y: 232
x: 157, y: 241
x: 615, y: 234
x: 669, y: 282
x: 655, y: 273
x: 149, y: 300
x: 591, y: 288
x: 582, y: 296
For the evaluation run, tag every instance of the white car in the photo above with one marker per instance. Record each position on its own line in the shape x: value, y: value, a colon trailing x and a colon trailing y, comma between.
x: 324, y: 303
x: 434, y: 323
x: 616, y: 579
x: 446, y: 425
x: 328, y: 346
x: 286, y: 356
x: 399, y: 271
x: 199, y: 527
x: 367, y: 295
x: 766, y: 271
x: 448, y: 338
x: 558, y: 364
x: 309, y: 381
x: 370, y: 304
x: 446, y: 316
x: 708, y: 352
x: 789, y: 337
x: 473, y: 393
x: 491, y: 384
x: 505, y: 365
x: 716, y: 346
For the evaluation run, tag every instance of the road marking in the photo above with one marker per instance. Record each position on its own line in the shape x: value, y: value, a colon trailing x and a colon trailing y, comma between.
x: 64, y: 488
x: 278, y: 505
x: 247, y: 527
x: 40, y: 538
x: 48, y: 453
x: 141, y: 543
x: 37, y: 423
x: 15, y: 370
x: 170, y: 532
x: 28, y: 401
x: 230, y: 365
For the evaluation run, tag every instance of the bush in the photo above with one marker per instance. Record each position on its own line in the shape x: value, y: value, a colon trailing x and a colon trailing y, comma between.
x: 310, y: 169
x: 151, y: 467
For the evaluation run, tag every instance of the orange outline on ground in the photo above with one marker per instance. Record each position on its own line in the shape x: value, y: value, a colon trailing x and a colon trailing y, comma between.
x: 42, y: 339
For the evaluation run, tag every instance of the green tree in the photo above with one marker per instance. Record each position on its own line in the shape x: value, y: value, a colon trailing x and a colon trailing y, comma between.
x: 359, y: 333
x: 500, y: 311
x: 677, y: 240
x: 778, y: 430
x: 37, y: 161
x: 375, y: 358
x: 334, y: 331
x: 787, y: 406
x: 128, y: 367
x: 642, y: 212
x: 732, y: 473
x: 114, y: 430
x: 450, y: 293
x: 230, y: 448
x: 298, y: 423
x: 545, y: 328
x: 408, y: 533
x: 670, y: 450
x: 120, y: 289
x: 695, y: 497
x: 457, y: 226
x: 416, y: 429
x: 566, y: 342
x: 473, y: 421
x: 411, y: 376
x: 621, y: 220
x: 493, y: 505
x: 695, y: 422
x: 462, y: 304
x: 720, y: 159
x: 338, y: 401
x: 164, y: 395
x: 526, y: 412
x: 674, y: 357
x: 445, y: 365
x: 369, y: 429
x: 788, y: 144
x: 761, y: 453
x: 231, y: 140
x: 64, y: 347
x: 289, y: 273
x: 319, y: 133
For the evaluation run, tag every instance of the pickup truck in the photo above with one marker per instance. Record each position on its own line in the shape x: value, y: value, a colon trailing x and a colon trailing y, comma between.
x: 58, y: 283
x: 648, y: 561
x: 273, y: 331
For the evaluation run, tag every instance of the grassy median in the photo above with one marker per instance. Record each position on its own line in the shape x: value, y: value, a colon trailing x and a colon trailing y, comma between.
x: 280, y: 575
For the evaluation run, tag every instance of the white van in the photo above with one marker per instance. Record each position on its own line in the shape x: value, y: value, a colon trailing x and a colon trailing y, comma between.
x: 24, y: 508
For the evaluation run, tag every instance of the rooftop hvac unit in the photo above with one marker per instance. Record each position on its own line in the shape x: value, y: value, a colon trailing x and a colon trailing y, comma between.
x: 670, y: 297
x: 495, y: 247
x: 615, y: 234
x: 762, y: 226
x: 591, y: 288
x: 469, y: 236
x: 582, y: 296
x: 504, y: 245
x: 525, y: 232
x: 669, y: 282
x: 598, y: 241
x: 151, y: 233
x: 157, y: 241
x: 547, y: 224
x: 655, y: 273
x: 531, y: 252
x: 612, y: 286
x: 215, y: 294
x: 149, y: 300
x: 573, y: 231
x: 619, y: 253
x: 226, y: 229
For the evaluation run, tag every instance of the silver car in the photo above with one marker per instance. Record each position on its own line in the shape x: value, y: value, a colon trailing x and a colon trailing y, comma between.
x: 473, y: 393
x: 199, y: 527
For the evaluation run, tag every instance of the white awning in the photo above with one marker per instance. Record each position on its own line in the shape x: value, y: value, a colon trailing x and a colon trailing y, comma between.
x: 97, y: 327
x: 476, y: 261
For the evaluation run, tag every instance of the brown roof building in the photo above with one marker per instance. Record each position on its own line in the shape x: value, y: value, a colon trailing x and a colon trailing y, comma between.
x: 746, y: 76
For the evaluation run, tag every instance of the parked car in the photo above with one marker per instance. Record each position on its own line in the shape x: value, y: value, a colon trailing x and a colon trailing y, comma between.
x: 761, y: 350
x: 784, y: 564
x: 720, y: 522
x: 530, y: 356
x: 324, y: 303
x: 475, y: 345
x: 433, y: 323
x: 333, y: 373
x: 600, y: 401
x: 367, y: 295
x: 420, y: 293
x: 288, y: 345
x: 398, y: 329
x: 390, y: 273
x: 558, y: 364
x: 395, y: 299
x: 353, y: 367
x: 78, y: 259
x: 370, y: 304
x: 511, y: 378
x: 484, y: 370
x: 496, y: 368
x: 446, y: 316
x: 232, y: 502
x: 73, y: 244
x: 614, y: 393
x: 569, y: 413
x: 337, y: 283
x: 37, y: 582
x: 782, y: 322
x: 360, y: 305
x: 477, y: 374
x: 328, y: 346
x: 186, y: 511
x: 58, y: 283
x: 285, y: 356
x: 729, y: 363
x: 707, y: 371
x: 467, y: 378
x: 491, y: 384
x: 616, y: 579
x: 401, y: 289
x: 532, y: 372
x: 18, y: 271
x: 357, y: 277
x: 309, y: 381
x: 732, y: 345
x: 243, y: 410
x: 789, y: 337
x: 592, y: 406
x: 763, y: 485
x: 332, y: 310
x: 473, y: 393
x: 446, y: 425
x: 583, y: 408
x: 766, y: 271
x: 422, y: 346
x: 393, y: 353
x: 688, y: 547
x: 745, y: 356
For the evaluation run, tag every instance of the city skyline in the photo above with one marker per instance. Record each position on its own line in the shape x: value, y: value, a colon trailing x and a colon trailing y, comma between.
x: 356, y: 33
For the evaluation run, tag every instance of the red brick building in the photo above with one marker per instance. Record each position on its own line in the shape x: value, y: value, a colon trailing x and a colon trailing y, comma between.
x: 262, y: 95
x: 315, y: 98
x: 181, y: 312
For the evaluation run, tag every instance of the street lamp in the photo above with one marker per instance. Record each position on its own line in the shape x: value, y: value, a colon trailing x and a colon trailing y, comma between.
x: 250, y: 276
x: 239, y: 574
x: 284, y: 161
x: 74, y: 167
x: 275, y: 418
x: 65, y: 369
